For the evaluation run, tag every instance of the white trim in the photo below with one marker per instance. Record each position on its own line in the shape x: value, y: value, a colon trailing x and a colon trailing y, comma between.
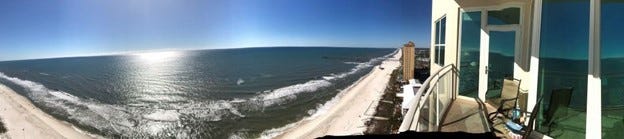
x: 593, y: 122
x: 458, y: 52
x: 498, y: 7
x: 534, y: 61
x: 459, y: 47
x: 484, y: 38
x: 484, y: 46
x: 593, y: 125
x: 439, y: 39
x: 459, y: 38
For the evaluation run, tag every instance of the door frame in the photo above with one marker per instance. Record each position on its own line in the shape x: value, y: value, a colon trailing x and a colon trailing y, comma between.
x: 485, y: 58
x: 485, y: 38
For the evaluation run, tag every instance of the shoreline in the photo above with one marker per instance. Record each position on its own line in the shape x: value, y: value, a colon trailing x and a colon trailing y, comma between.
x: 22, y: 119
x: 351, y: 110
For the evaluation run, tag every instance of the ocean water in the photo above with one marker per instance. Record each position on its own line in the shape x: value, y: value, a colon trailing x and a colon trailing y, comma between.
x: 225, y: 93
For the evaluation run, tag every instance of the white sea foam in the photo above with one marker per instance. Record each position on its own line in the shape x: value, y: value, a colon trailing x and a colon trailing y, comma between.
x: 331, y: 77
x: 163, y: 115
x: 238, y: 100
x: 323, y: 108
x: 280, y: 95
x: 290, y: 91
x: 354, y: 63
x: 236, y: 136
x: 100, y: 116
x: 358, y: 67
x: 159, y: 98
x: 272, y: 133
x: 133, y: 119
x: 65, y: 96
x: 240, y: 81
x: 319, y: 110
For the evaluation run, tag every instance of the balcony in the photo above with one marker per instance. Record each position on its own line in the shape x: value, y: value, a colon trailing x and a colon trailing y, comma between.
x: 440, y: 109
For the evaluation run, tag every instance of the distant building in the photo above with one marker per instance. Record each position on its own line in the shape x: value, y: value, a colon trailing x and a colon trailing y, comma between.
x: 408, y: 61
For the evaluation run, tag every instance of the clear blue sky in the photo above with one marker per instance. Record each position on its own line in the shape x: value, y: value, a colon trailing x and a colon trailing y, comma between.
x: 58, y: 28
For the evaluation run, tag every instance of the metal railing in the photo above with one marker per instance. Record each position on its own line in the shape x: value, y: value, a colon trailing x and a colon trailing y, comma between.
x: 439, y: 90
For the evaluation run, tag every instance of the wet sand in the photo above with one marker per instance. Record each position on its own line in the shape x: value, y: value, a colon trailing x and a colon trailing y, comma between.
x: 23, y: 120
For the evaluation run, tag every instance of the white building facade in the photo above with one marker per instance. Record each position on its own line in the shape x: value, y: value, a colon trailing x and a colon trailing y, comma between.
x: 548, y: 45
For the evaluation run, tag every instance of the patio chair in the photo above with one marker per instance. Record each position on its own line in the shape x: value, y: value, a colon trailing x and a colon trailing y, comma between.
x: 557, y: 107
x: 508, y: 99
x: 526, y: 131
x: 558, y: 99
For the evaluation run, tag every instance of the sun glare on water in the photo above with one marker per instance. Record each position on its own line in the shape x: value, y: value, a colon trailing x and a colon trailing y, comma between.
x: 156, y: 56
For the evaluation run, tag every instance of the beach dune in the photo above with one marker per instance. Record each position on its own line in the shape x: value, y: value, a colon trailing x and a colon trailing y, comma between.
x: 355, y: 106
x: 24, y: 120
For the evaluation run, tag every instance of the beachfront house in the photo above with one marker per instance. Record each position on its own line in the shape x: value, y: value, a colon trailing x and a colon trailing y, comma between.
x: 540, y: 46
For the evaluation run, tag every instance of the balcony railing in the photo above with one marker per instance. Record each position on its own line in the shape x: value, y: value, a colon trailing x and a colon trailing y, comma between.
x: 426, y: 111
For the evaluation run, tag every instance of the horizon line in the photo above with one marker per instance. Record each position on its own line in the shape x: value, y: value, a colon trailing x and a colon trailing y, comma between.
x: 180, y: 49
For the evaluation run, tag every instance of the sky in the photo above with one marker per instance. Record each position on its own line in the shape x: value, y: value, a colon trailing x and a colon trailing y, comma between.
x: 32, y: 29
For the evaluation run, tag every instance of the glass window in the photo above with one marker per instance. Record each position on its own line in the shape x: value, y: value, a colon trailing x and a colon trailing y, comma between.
x: 563, y: 64
x: 440, y: 27
x: 437, y: 35
x: 443, y: 31
x: 500, y: 61
x: 437, y: 54
x: 505, y: 16
x: 469, y: 55
x: 441, y: 57
x: 612, y: 70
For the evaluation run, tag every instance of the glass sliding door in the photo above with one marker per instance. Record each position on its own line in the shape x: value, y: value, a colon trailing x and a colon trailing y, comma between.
x: 564, y: 44
x: 612, y: 68
x: 502, y: 31
x: 469, y: 55
x: 500, y: 60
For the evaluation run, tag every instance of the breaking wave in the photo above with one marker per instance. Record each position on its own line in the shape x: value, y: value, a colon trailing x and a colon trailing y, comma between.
x: 323, y: 108
x: 169, y: 115
x: 281, y: 95
x: 354, y: 63
x: 133, y: 120
x: 240, y: 81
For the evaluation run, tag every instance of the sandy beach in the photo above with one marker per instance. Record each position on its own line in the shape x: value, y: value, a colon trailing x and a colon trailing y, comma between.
x: 355, y: 106
x: 24, y: 120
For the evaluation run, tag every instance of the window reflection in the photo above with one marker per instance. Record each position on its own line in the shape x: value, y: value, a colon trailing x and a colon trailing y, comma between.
x: 612, y: 70
x: 563, y: 63
x: 505, y: 16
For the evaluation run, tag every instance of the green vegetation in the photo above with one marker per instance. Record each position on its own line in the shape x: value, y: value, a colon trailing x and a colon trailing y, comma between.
x: 388, y: 113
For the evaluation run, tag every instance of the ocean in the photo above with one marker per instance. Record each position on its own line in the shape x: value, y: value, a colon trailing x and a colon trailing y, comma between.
x: 220, y: 93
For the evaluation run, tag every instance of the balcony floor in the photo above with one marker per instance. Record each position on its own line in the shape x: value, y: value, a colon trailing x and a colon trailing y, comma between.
x: 467, y: 115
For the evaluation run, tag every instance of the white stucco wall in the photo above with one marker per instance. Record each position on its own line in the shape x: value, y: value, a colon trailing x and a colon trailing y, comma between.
x: 451, y: 9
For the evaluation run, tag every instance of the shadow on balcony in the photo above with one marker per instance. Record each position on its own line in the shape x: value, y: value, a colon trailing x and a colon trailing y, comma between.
x: 467, y: 114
